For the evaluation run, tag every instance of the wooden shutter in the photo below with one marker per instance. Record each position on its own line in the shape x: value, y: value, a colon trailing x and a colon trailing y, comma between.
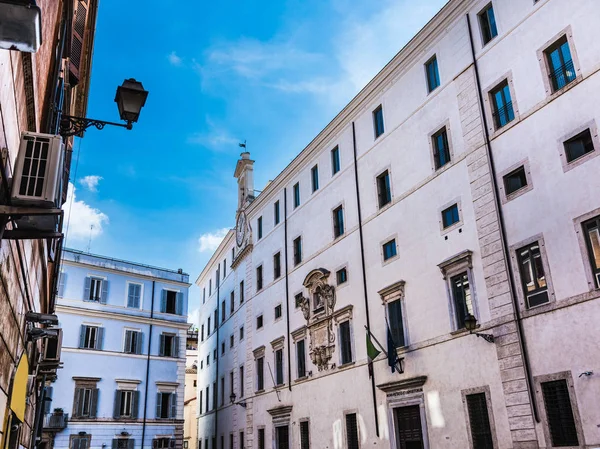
x: 154, y: 443
x: 135, y: 404
x: 76, y: 412
x: 86, y: 288
x: 127, y: 347
x: 78, y: 26
x: 130, y: 443
x: 351, y: 431
x: 479, y: 421
x: 158, y: 405
x: 559, y: 412
x: 94, y: 404
x: 48, y: 399
x: 82, y: 330
x: 115, y: 443
x: 117, y: 406
x: 304, y: 435
x: 140, y: 339
x: 175, y: 347
x: 179, y: 303
x: 104, y: 292
x: 173, y: 405
x: 131, y: 296
x: 75, y: 443
x: 99, y: 338
x: 163, y: 301
x: 161, y: 350
x: 62, y: 279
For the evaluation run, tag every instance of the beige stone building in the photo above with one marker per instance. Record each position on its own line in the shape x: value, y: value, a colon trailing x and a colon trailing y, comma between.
x: 190, y: 404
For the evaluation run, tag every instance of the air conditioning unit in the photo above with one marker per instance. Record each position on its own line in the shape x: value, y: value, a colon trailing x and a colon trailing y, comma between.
x: 51, y: 350
x: 38, y: 171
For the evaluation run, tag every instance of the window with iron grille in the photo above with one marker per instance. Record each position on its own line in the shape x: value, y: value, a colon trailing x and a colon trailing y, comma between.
x: 502, y: 105
x: 378, y: 121
x: 282, y: 437
x: 579, y: 145
x: 450, y: 216
x: 261, y: 438
x: 559, y: 414
x: 441, y: 149
x: 591, y: 229
x: 352, y: 431
x: 384, y: 191
x: 396, y: 324
x: 433, y: 75
x: 304, y: 435
x: 314, y: 176
x: 461, y: 296
x: 487, y: 23
x: 479, y: 420
x: 276, y: 212
x: 560, y: 64
x: 338, y: 221
x: 301, y: 358
x: 533, y: 278
x: 335, y: 160
x: 277, y: 265
x: 515, y: 180
x: 345, y: 343
x: 279, y: 367
x: 259, y: 278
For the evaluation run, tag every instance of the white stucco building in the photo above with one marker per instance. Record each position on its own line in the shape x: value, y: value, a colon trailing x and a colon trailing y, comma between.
x: 123, y: 347
x: 460, y: 184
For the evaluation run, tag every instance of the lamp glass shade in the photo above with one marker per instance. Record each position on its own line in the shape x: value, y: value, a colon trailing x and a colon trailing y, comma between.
x: 130, y: 99
x: 20, y: 26
x: 470, y: 322
x: 232, y: 397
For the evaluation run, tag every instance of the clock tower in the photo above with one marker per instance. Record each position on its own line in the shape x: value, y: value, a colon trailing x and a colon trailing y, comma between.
x: 244, y: 172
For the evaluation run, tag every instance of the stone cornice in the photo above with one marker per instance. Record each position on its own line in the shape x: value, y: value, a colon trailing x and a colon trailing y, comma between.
x: 404, y: 384
x: 281, y: 411
x: 239, y: 257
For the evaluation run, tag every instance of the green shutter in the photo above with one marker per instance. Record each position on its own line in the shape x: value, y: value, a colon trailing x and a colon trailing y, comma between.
x: 158, y: 405
x: 86, y: 288
x: 104, y: 292
x: 117, y: 405
x: 94, y: 404
x: 135, y: 404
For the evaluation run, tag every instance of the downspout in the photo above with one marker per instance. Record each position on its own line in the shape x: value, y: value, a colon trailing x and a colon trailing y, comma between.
x: 287, y: 287
x: 216, y: 389
x: 511, y: 280
x: 364, y: 270
x: 148, y: 367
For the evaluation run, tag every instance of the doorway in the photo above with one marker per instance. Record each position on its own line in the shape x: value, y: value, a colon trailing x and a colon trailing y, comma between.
x: 408, y: 427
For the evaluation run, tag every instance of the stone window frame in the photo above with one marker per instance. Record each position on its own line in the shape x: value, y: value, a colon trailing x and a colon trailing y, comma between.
x: 568, y: 377
x: 545, y: 68
x: 331, y: 214
x: 127, y: 284
x: 453, y: 266
x: 482, y: 42
x: 431, y: 58
x: 262, y: 275
x: 343, y: 284
x: 581, y: 239
x: 593, y: 127
x: 258, y: 353
x: 517, y: 193
x: 406, y: 400
x: 378, y: 173
x: 341, y: 316
x: 278, y: 345
x: 281, y: 417
x: 275, y: 318
x: 489, y: 109
x: 490, y: 410
x: 396, y: 292
x: 356, y: 412
x: 263, y: 428
x: 389, y: 238
x: 301, y: 420
x: 517, y: 274
x: 297, y: 335
x: 445, y: 124
x: 458, y: 224
x: 73, y: 436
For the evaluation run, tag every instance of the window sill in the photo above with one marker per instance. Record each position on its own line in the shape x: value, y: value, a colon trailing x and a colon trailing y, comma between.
x: 301, y: 379
x: 346, y: 365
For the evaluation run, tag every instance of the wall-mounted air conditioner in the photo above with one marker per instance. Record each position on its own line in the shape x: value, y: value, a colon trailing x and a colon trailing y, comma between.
x: 51, y: 349
x: 38, y: 171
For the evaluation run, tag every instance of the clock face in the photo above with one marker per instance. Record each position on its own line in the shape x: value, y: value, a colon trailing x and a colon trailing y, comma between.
x: 240, y: 229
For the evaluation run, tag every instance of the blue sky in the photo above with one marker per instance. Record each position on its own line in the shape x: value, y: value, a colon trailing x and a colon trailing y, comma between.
x: 271, y: 72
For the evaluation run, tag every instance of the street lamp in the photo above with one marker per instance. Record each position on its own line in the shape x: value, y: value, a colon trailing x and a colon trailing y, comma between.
x: 130, y: 99
x: 471, y: 325
x: 232, y: 397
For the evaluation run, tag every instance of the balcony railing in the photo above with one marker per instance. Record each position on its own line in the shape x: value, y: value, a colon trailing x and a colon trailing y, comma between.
x: 56, y: 421
x: 504, y: 115
x: 562, y: 76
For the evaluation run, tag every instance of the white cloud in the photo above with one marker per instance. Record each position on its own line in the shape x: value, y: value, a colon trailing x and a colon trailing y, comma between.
x: 215, y: 138
x: 210, y: 241
x: 194, y: 316
x: 82, y: 220
x: 91, y: 182
x: 174, y: 59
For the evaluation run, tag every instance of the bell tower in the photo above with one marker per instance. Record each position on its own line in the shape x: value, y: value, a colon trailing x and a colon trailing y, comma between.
x: 244, y: 172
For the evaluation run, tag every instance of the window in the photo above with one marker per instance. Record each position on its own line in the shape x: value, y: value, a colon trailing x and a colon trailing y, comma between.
x: 85, y: 404
x: 384, y: 191
x: 533, y: 279
x: 261, y: 438
x: 296, y: 195
x: 241, y: 332
x: 201, y: 404
x: 378, y: 121
x: 231, y: 441
x: 338, y: 221
x: 208, y: 327
x: 214, y: 401
x: 282, y: 437
x: 222, y: 347
x: 560, y: 64
x: 171, y: 302
x: 91, y: 337
x: 352, y: 431
x: 579, y: 145
x: 231, y: 301
x: 208, y: 360
x: 241, y: 440
x: 224, y: 268
x: 169, y: 345
x: 96, y: 289
x: 441, y: 149
x: 163, y: 443
x: 389, y: 249
x: 133, y: 342
x: 298, y: 300
x: 461, y: 295
x: 259, y: 278
x: 487, y: 23
x: 134, y: 295
x: 77, y: 442
x: 277, y: 266
x: 314, y: 176
x: 202, y: 333
x: 209, y: 287
x: 450, y: 216
x: 591, y: 230
x: 216, y: 317
x: 223, y: 311
x: 260, y: 378
x: 345, y: 343
x: 515, y: 180
x: 259, y: 321
x: 203, y: 295
x: 297, y: 250
x: 259, y: 227
x: 502, y: 105
x: 207, y: 403
x: 231, y: 341
x: 433, y: 75
x: 279, y: 367
x: 301, y: 358
x: 222, y: 396
x: 241, y: 292
x: 276, y: 212
x: 232, y: 254
x: 341, y: 276
x: 126, y: 404
x: 123, y: 443
x: 559, y: 413
x: 166, y: 405
x: 335, y: 160
x: 242, y: 381
x: 278, y: 311
x: 479, y: 421
x: 394, y: 309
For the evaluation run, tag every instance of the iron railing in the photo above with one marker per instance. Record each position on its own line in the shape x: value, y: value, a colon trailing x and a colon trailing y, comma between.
x: 562, y: 76
x: 504, y: 115
x: 56, y: 421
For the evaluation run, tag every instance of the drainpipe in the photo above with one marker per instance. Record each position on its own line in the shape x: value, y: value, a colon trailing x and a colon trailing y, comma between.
x: 287, y: 287
x: 511, y: 280
x: 148, y: 367
x: 364, y: 271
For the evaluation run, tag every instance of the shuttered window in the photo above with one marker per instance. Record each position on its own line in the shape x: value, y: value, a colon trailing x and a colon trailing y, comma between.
x: 301, y: 358
x: 172, y: 302
x: 559, y: 413
x: 345, y: 342
x: 279, y: 367
x: 479, y: 420
x: 95, y: 289
x: 123, y: 443
x: 62, y: 280
x: 282, y: 437
x: 134, y: 295
x: 169, y: 345
x: 304, y: 435
x: 77, y: 41
x: 91, y: 337
x: 352, y: 431
x: 260, y: 377
x: 395, y: 322
x: 85, y: 404
x: 126, y: 404
x: 133, y: 342
x: 166, y: 405
x: 78, y: 442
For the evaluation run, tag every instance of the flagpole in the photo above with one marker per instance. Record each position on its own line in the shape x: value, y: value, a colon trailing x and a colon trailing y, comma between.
x: 399, y: 361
